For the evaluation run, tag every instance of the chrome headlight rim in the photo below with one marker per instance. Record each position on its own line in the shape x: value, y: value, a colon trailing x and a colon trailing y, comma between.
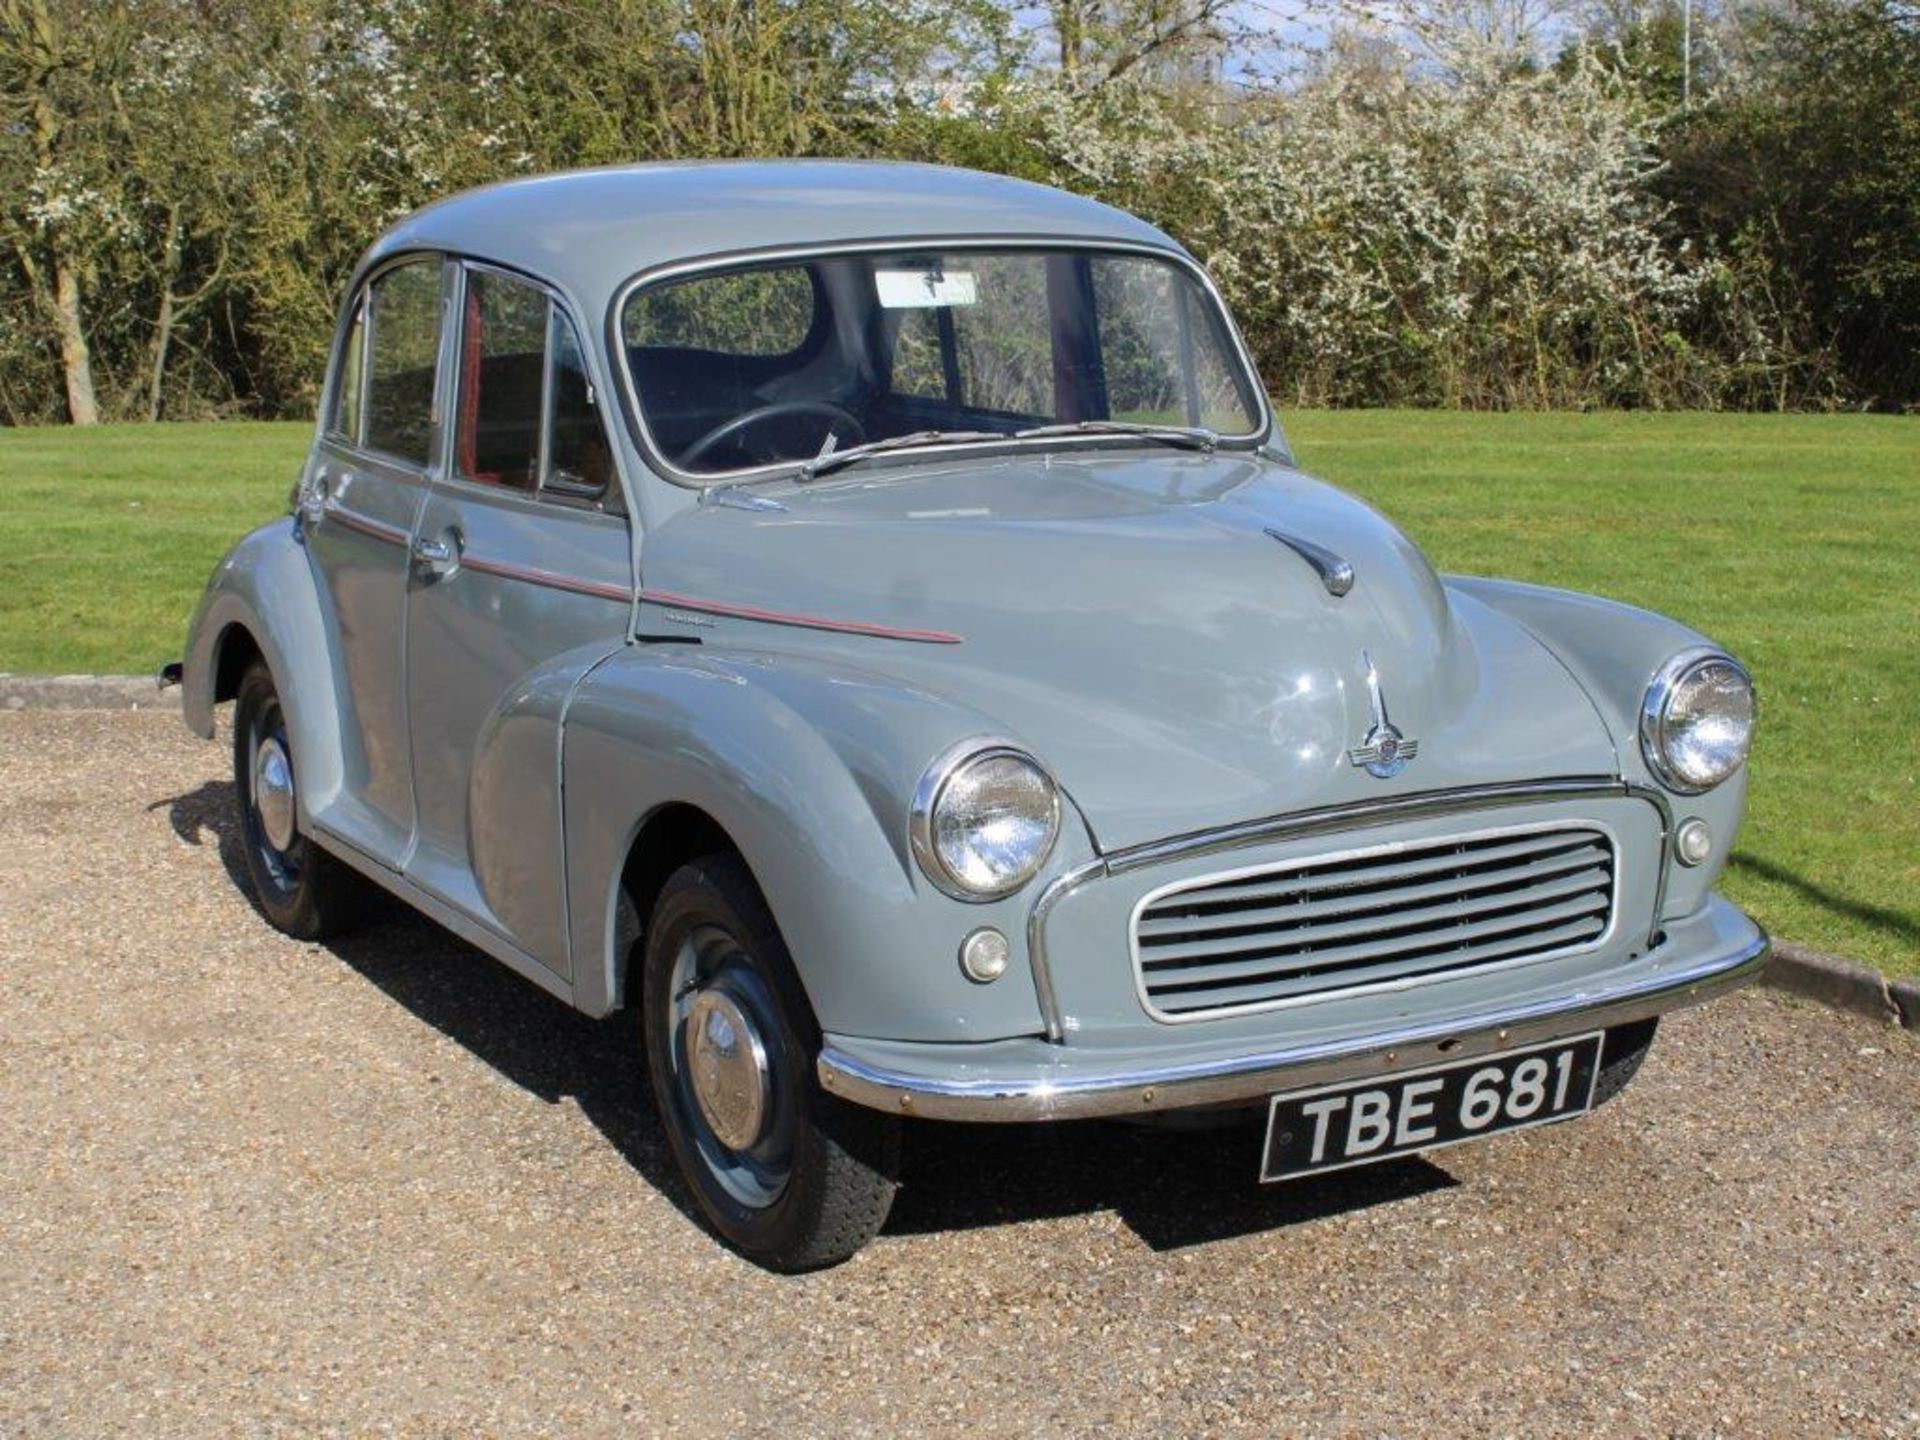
x: 932, y: 788
x: 1653, y: 715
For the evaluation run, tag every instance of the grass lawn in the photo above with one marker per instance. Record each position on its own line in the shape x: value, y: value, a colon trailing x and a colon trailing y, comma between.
x: 1794, y: 540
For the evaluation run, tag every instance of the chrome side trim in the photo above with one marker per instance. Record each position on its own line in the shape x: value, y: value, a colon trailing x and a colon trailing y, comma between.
x: 366, y: 525
x: 1335, y: 571
x: 1410, y: 982
x: 548, y: 579
x: 1252, y: 1077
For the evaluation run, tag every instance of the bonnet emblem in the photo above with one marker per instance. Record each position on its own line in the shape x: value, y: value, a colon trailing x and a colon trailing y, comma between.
x: 1385, y: 752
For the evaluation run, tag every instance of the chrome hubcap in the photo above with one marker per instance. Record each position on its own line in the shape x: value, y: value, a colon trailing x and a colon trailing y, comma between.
x: 728, y: 1068
x: 727, y: 1065
x: 273, y: 793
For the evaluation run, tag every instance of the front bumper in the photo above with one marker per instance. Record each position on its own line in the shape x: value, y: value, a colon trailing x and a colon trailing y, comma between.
x: 1713, y: 952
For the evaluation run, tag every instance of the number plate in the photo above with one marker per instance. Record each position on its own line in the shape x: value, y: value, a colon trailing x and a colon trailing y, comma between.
x: 1367, y: 1120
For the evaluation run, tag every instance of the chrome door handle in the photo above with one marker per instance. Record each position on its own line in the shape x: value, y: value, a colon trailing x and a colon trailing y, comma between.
x: 313, y: 504
x: 439, y: 556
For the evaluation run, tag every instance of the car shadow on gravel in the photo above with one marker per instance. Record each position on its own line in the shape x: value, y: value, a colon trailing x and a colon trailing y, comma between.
x: 1173, y: 1188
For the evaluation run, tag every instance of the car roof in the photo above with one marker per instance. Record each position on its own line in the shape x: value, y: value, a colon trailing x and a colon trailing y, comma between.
x: 588, y: 231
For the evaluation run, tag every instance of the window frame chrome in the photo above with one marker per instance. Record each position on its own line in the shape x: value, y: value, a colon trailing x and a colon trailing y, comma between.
x: 657, y: 460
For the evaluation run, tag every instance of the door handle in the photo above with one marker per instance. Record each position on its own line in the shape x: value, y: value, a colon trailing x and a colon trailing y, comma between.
x: 313, y: 504
x: 437, y: 556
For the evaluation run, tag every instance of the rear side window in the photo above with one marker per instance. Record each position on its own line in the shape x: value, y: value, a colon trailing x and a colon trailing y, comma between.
x: 526, y: 417
x: 404, y: 304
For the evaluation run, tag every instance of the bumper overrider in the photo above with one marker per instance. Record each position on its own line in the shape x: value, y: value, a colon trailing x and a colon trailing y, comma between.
x: 1716, y: 950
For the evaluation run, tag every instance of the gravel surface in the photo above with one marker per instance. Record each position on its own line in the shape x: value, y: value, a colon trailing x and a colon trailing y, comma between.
x: 249, y: 1186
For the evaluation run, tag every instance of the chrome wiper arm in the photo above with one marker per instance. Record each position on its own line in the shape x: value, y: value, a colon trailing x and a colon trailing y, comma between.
x: 829, y: 460
x: 1193, y: 437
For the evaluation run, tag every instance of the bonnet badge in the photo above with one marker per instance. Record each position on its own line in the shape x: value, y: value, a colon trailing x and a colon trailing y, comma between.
x: 1385, y: 752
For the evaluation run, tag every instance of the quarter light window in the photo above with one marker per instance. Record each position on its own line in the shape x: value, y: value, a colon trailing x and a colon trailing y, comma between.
x: 406, y: 342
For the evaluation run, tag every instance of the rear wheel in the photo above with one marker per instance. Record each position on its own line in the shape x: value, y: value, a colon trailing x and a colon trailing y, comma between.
x: 792, y: 1177
x: 300, y: 888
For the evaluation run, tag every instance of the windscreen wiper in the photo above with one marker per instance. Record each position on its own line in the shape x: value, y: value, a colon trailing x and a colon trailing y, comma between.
x: 1191, y: 437
x: 829, y: 459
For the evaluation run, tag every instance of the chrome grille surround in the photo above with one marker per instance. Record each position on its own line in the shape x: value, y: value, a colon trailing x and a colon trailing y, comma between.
x: 1377, y: 918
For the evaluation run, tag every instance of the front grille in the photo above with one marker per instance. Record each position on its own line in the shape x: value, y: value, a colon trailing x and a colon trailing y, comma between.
x: 1312, y: 928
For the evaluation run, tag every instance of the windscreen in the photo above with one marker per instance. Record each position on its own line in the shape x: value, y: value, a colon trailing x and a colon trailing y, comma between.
x: 779, y: 363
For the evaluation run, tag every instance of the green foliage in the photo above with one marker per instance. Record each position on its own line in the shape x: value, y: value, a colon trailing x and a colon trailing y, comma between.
x: 185, y: 185
x: 1806, y: 178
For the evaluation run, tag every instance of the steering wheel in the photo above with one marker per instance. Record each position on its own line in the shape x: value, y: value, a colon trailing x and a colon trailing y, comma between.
x: 834, y: 415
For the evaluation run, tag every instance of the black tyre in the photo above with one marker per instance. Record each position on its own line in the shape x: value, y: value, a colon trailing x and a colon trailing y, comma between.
x: 1621, y: 1055
x: 299, y: 887
x: 790, y: 1176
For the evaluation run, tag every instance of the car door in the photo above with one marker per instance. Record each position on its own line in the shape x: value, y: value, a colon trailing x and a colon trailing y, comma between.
x: 522, y: 579
x: 359, y: 502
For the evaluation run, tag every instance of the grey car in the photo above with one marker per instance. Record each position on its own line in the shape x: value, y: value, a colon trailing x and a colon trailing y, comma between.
x: 865, y: 622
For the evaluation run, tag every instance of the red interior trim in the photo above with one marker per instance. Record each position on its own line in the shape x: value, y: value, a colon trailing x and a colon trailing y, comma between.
x: 467, y: 443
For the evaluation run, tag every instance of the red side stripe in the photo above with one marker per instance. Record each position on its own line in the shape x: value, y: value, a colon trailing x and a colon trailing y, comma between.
x: 788, y: 617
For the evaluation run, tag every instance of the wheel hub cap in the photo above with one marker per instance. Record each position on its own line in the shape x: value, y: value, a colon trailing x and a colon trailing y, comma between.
x: 273, y: 793
x: 727, y: 1064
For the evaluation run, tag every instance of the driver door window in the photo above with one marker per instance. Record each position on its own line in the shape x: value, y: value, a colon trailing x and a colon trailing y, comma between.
x: 527, y: 417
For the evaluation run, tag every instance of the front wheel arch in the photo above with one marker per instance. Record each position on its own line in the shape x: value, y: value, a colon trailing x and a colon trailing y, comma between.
x: 673, y: 835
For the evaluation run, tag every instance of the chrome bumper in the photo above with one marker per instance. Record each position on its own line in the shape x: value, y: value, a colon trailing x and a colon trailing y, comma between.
x: 1032, y: 1080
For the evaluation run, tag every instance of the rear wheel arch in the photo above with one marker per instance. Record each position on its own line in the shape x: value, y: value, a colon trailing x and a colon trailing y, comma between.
x: 234, y: 653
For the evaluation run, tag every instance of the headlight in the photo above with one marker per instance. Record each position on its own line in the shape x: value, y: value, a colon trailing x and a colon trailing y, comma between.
x: 985, y: 817
x: 1697, y: 720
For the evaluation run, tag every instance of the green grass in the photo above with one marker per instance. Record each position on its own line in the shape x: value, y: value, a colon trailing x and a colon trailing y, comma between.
x: 107, y: 537
x: 1794, y: 540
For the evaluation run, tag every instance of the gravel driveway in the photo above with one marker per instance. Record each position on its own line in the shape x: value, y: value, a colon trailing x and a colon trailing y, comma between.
x: 250, y: 1186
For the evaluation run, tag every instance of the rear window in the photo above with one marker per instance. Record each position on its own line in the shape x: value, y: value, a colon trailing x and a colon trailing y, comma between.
x: 404, y: 308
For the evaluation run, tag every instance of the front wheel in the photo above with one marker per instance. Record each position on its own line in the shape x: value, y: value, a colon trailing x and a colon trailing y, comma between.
x: 1625, y: 1051
x: 789, y: 1175
x: 301, y: 889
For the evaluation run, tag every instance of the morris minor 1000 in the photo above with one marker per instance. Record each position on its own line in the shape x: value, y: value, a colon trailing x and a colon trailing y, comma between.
x: 865, y: 622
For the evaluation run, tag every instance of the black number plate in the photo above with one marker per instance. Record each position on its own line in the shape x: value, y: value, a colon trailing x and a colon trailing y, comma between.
x: 1367, y: 1120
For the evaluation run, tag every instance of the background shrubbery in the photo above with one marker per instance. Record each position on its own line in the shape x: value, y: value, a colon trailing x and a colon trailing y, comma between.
x: 1481, y: 207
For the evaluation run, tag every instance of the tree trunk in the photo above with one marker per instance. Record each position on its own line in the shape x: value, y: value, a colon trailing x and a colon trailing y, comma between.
x: 76, y: 364
x: 163, y: 322
x: 162, y: 340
